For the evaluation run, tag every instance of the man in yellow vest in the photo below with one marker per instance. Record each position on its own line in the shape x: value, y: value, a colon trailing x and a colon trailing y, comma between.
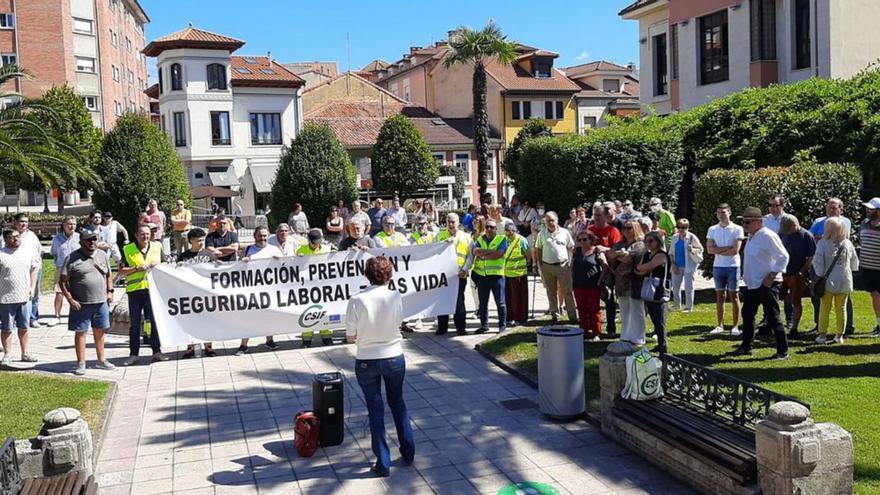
x: 516, y: 280
x: 390, y: 237
x: 487, y: 257
x: 316, y: 245
x: 138, y: 258
x: 462, y: 240
x: 421, y: 235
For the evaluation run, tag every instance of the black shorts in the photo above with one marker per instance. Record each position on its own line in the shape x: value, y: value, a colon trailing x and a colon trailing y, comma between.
x: 871, y: 279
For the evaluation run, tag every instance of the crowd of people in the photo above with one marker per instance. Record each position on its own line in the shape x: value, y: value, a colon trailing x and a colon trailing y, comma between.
x: 605, y: 260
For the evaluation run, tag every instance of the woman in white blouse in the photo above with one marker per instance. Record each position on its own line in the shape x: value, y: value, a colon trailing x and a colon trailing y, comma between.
x: 372, y: 323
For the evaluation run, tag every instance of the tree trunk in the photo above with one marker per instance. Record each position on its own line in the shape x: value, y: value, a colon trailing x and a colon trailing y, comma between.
x: 481, y: 128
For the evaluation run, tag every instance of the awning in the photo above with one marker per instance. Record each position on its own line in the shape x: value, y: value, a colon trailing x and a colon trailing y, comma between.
x: 221, y: 179
x: 263, y: 177
x: 203, y: 192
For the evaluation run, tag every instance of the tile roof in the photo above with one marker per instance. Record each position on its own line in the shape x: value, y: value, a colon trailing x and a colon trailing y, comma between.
x: 375, y: 65
x: 326, y: 68
x: 191, y: 37
x: 538, y: 53
x: 600, y: 65
x: 256, y: 71
x: 362, y: 79
x: 515, y: 78
x: 636, y: 6
x: 449, y: 131
x: 359, y: 132
x: 153, y: 91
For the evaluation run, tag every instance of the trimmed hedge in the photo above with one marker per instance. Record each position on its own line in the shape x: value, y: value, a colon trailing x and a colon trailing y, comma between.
x: 623, y: 162
x: 805, y: 186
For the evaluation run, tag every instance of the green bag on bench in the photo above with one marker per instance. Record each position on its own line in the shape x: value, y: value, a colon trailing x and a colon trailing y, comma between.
x: 642, y: 377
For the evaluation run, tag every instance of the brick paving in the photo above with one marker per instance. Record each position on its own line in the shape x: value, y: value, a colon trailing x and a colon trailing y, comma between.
x: 224, y: 425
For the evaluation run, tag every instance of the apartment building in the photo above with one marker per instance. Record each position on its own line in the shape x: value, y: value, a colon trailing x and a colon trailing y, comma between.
x: 228, y: 116
x: 607, y: 89
x: 693, y: 51
x: 93, y: 46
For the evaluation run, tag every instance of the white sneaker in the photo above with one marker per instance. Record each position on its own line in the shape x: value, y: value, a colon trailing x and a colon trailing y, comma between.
x: 130, y: 360
x: 735, y: 332
x: 51, y: 322
x: 35, y: 324
x: 80, y: 369
x: 839, y: 340
x: 687, y: 310
x: 820, y: 339
x: 717, y: 330
x: 105, y: 365
x: 6, y: 360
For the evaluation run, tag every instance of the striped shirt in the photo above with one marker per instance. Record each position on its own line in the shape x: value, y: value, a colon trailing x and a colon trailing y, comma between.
x: 869, y: 239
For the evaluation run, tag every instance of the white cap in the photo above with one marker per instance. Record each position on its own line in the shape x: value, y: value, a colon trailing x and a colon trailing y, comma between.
x: 874, y: 204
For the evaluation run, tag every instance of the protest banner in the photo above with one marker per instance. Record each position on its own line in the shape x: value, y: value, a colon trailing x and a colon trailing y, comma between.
x: 213, y: 302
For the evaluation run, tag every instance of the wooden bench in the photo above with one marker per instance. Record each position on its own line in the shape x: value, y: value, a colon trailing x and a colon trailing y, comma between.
x: 706, y: 413
x: 11, y: 483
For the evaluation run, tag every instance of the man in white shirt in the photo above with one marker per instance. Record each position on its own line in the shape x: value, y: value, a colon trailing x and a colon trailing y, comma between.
x: 777, y: 208
x: 553, y: 250
x: 285, y: 240
x: 30, y: 242
x: 398, y: 214
x: 765, y: 261
x: 358, y: 214
x: 260, y: 249
x: 18, y: 281
x: 723, y: 241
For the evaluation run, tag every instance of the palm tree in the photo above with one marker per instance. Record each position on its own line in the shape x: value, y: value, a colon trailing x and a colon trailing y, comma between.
x: 467, y: 46
x: 31, y: 151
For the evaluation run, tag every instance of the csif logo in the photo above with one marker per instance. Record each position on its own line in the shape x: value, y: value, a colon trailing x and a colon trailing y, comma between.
x: 312, y: 316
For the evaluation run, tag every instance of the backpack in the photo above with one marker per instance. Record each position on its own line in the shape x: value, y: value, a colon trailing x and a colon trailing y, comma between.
x: 306, y: 429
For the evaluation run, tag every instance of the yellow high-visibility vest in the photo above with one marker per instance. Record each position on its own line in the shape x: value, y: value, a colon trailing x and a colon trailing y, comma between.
x: 486, y: 267
x: 515, y: 262
x: 134, y: 258
x: 462, y: 241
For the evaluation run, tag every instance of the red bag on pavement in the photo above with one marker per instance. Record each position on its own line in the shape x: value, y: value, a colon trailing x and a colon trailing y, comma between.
x: 306, y: 429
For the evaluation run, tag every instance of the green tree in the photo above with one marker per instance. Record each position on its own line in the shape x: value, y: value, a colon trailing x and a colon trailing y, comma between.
x: 401, y: 159
x: 316, y: 172
x: 32, y: 147
x: 534, y: 127
x: 143, y: 165
x: 453, y: 171
x: 476, y: 48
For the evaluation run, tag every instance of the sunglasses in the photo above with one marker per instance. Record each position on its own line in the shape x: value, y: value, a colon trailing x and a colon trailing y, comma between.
x: 90, y: 240
x: 773, y: 205
x: 490, y: 227
x: 681, y: 226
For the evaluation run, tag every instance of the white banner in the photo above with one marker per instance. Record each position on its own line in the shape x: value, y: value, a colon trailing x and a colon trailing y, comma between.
x: 213, y: 302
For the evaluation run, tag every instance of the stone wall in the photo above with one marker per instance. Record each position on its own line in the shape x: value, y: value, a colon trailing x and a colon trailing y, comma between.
x: 64, y: 445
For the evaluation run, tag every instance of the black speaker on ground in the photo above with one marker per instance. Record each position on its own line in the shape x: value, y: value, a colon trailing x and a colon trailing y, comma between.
x: 327, y: 402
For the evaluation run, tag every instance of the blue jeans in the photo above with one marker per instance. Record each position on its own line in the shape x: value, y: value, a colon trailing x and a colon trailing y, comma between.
x: 495, y: 285
x: 139, y: 301
x: 35, y: 302
x: 370, y: 373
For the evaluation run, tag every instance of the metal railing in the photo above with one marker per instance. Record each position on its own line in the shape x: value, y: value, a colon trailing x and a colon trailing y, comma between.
x: 739, y: 401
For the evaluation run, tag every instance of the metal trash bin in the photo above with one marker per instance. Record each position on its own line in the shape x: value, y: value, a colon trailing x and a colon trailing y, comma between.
x: 561, y: 371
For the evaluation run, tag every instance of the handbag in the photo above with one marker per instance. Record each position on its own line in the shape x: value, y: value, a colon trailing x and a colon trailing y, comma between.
x: 655, y: 289
x: 817, y: 286
x: 642, y: 377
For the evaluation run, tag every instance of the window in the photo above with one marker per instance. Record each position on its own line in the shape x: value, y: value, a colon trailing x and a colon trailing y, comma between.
x: 492, y: 166
x: 526, y: 110
x: 130, y: 76
x: 553, y: 110
x: 610, y: 85
x: 675, y: 52
x: 117, y: 108
x: 406, y: 94
x: 220, y: 128
x: 463, y: 161
x: 114, y: 72
x: 589, y: 122
x: 216, y: 76
x: 83, y: 26
x: 440, y: 158
x: 762, y: 28
x: 128, y: 43
x: 162, y: 124
x: 112, y: 38
x: 802, y: 43
x: 161, y: 88
x: 91, y: 102
x: 10, y: 189
x: 7, y: 21
x: 8, y: 58
x: 560, y: 110
x: 176, y: 77
x: 543, y: 68
x: 548, y: 110
x: 85, y: 64
x: 661, y: 69
x: 714, y: 48
x: 515, y: 112
x: 179, y: 129
x: 265, y: 128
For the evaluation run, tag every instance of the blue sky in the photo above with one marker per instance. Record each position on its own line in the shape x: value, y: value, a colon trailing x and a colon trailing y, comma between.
x: 294, y: 30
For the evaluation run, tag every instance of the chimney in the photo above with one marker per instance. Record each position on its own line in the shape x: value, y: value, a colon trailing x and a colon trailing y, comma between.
x: 269, y: 56
x: 450, y: 33
x: 414, y: 49
x: 631, y: 66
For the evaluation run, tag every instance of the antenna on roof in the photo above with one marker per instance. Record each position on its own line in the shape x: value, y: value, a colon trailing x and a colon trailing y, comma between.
x: 190, y: 24
x: 348, y: 70
x: 269, y: 56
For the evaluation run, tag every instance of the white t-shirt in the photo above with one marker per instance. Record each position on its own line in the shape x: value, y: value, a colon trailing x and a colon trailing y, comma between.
x: 554, y: 247
x: 374, y: 316
x: 15, y: 274
x: 289, y: 248
x: 255, y: 252
x: 725, y: 237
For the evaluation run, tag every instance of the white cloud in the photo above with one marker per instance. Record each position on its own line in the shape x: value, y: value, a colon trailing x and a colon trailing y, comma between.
x: 583, y: 57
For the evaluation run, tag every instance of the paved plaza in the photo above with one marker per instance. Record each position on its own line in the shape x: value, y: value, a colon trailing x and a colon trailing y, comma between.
x: 224, y: 425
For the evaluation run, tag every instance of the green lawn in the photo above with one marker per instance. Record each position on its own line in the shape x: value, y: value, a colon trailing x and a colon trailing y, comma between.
x: 48, y: 277
x: 26, y: 397
x: 840, y: 382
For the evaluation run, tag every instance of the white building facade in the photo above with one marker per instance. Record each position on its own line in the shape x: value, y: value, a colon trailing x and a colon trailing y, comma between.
x: 692, y: 52
x: 228, y: 116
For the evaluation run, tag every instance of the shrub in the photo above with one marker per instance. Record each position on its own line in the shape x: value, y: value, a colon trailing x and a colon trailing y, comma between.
x: 806, y: 187
x: 138, y: 163
x: 401, y: 159
x: 316, y: 172
x: 534, y: 127
x: 625, y: 162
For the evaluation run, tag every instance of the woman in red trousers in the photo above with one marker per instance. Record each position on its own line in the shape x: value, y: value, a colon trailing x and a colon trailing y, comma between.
x: 586, y: 267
